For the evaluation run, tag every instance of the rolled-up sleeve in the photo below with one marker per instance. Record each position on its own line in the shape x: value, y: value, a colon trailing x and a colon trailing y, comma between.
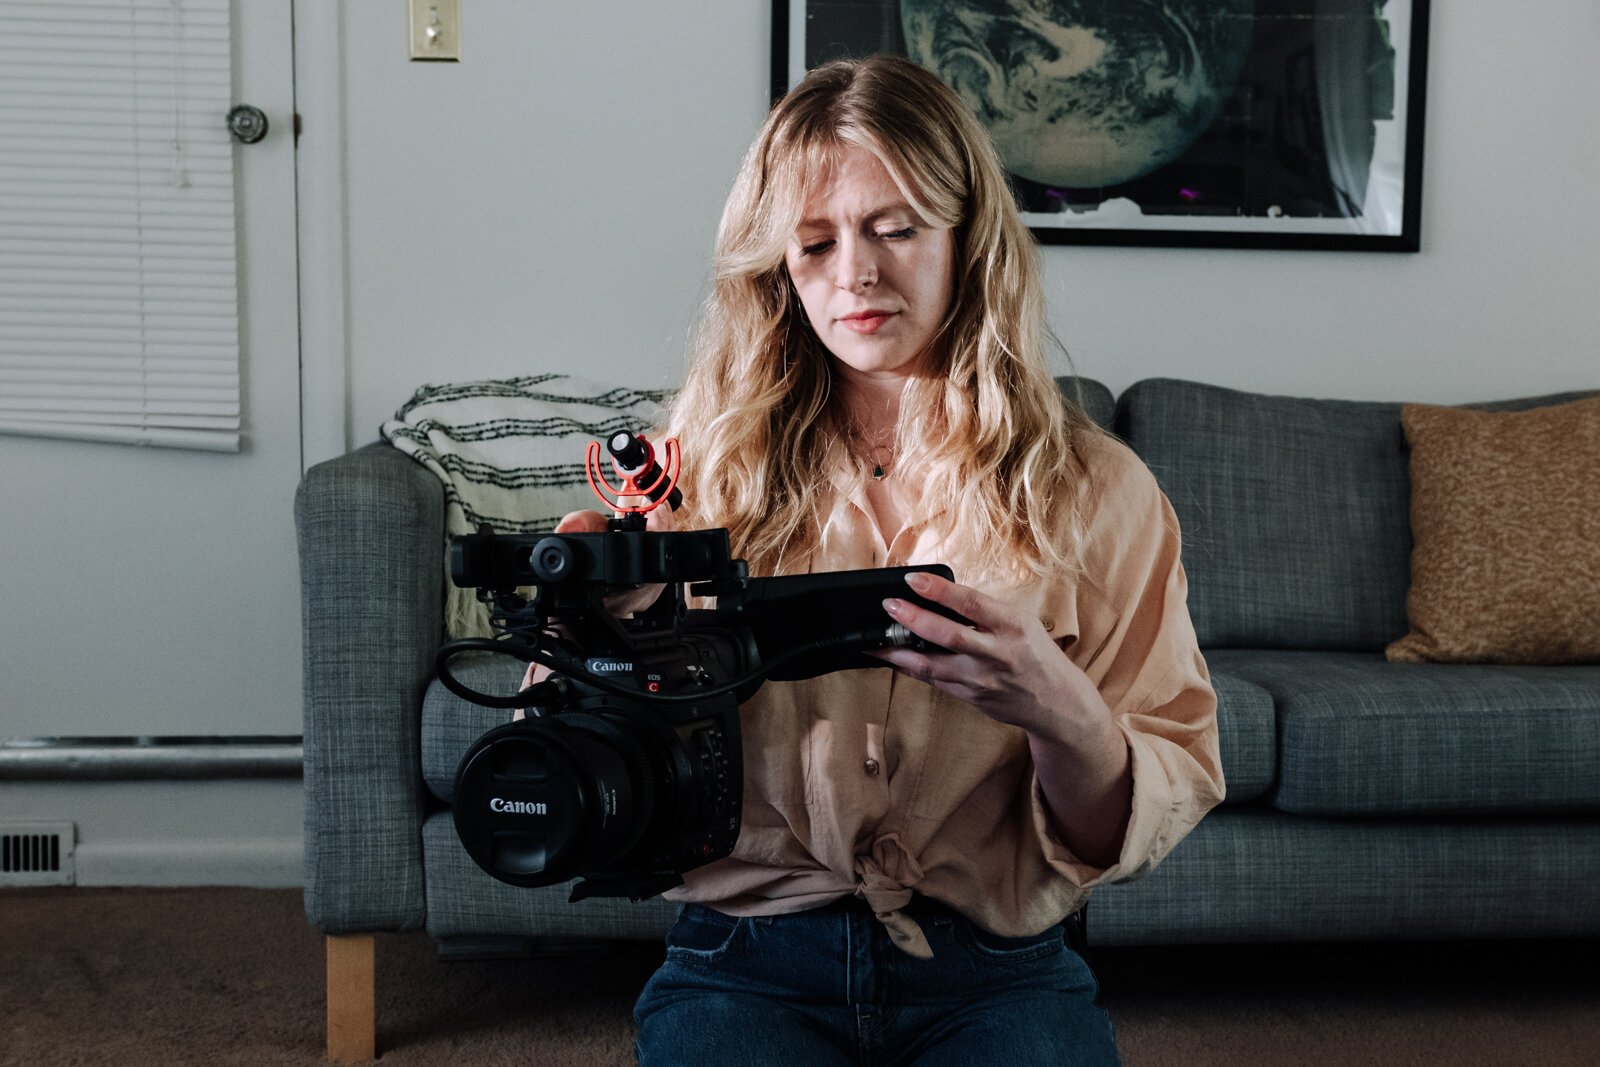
x: 1135, y: 641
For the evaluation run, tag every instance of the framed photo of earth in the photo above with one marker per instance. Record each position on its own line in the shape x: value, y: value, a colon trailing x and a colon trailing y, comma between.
x: 1212, y: 123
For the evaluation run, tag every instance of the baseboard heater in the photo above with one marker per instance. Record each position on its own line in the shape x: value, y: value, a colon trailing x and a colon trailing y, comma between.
x: 124, y: 758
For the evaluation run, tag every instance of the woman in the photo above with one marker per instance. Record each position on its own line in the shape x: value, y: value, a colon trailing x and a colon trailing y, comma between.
x: 870, y: 389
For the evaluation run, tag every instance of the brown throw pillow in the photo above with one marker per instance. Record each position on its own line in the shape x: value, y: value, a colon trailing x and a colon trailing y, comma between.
x: 1505, y: 520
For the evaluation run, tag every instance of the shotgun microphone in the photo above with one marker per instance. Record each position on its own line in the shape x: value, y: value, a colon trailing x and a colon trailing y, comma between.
x: 635, y: 458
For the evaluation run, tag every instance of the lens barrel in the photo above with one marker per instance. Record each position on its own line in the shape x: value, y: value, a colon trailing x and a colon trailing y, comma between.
x: 542, y: 801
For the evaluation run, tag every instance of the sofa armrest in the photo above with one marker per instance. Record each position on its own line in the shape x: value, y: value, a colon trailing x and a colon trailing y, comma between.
x: 370, y: 526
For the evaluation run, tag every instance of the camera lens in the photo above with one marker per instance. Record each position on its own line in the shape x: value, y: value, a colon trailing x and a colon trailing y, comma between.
x: 542, y: 801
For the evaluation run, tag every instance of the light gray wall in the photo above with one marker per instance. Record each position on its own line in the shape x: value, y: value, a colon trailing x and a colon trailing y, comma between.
x: 550, y: 202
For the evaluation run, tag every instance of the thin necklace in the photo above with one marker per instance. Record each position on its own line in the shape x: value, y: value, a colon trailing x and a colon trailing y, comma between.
x: 880, y: 468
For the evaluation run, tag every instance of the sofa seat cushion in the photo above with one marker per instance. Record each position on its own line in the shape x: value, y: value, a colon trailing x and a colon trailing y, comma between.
x: 1247, y: 731
x: 1358, y: 735
x: 450, y: 725
x: 1251, y: 874
x: 463, y: 901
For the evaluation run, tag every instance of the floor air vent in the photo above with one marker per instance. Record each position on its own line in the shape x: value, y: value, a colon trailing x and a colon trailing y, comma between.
x: 36, y: 853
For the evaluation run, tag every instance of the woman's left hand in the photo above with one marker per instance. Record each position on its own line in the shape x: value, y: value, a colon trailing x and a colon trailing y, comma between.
x: 1005, y: 663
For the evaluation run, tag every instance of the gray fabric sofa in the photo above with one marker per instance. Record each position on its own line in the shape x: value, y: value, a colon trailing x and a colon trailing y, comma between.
x: 1365, y: 799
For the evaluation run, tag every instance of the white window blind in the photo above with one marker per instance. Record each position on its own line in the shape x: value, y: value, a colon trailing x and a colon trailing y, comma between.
x: 118, y: 301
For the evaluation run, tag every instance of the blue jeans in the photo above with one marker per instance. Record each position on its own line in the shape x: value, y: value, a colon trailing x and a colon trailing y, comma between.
x: 828, y: 987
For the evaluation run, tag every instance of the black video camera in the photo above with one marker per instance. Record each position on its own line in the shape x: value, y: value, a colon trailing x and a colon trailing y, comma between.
x: 628, y: 770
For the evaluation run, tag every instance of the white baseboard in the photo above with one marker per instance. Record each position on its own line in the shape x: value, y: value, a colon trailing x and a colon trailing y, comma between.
x: 265, y: 863
x: 244, y: 832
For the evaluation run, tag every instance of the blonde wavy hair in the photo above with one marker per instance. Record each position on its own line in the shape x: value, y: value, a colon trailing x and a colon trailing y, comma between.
x: 758, y: 415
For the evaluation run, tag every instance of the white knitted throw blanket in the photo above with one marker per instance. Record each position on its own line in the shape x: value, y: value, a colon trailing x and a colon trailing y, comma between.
x: 510, y: 453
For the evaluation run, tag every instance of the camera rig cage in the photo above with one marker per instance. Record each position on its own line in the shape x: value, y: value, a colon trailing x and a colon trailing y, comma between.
x: 628, y: 769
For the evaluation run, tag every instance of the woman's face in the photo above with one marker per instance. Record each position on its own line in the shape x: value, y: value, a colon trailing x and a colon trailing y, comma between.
x: 875, y: 279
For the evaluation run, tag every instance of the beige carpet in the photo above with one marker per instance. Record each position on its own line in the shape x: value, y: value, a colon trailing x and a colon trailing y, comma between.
x: 234, y: 976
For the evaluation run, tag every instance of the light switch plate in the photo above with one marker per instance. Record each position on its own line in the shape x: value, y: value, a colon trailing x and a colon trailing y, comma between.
x: 436, y: 30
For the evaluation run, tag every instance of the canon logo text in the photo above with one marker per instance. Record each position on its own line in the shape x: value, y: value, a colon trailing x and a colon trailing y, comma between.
x: 518, y: 807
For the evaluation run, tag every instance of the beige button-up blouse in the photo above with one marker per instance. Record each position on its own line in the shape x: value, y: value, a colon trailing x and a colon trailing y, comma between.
x: 867, y: 782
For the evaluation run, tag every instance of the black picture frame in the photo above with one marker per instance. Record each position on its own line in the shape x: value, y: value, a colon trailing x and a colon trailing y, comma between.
x: 1322, y: 111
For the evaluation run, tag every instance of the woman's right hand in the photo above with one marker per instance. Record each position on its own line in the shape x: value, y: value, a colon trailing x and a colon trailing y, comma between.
x: 622, y: 603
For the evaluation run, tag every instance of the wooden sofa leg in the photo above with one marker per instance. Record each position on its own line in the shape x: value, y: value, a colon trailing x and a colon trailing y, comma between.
x: 352, y: 998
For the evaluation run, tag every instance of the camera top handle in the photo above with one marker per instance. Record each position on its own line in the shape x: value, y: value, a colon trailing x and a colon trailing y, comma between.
x: 794, y: 621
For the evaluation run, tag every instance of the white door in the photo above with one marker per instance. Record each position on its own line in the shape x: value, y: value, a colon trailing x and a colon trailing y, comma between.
x: 152, y: 591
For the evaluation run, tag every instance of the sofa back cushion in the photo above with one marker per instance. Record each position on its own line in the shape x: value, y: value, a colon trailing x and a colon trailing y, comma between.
x: 1094, y: 398
x: 1296, y: 532
x: 1295, y: 512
